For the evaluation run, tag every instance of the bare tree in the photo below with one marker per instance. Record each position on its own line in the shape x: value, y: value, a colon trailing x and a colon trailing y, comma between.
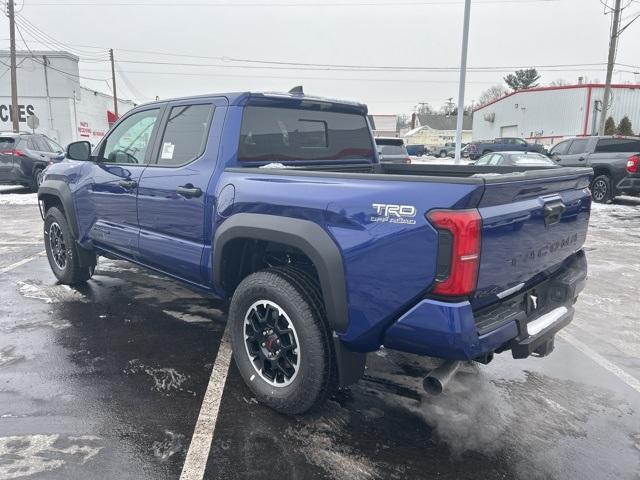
x: 560, y: 82
x: 491, y: 94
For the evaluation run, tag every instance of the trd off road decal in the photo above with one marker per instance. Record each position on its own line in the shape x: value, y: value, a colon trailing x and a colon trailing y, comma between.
x: 404, y: 214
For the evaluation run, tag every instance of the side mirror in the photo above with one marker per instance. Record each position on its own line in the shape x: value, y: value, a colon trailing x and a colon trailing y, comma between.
x: 79, y: 151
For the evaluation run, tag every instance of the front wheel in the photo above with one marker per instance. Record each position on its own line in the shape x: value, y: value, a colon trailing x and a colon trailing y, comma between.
x: 62, y: 250
x: 280, y: 340
x: 443, y: 154
x: 601, y: 189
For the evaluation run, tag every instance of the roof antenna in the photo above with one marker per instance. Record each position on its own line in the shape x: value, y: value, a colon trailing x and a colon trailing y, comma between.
x: 296, y: 90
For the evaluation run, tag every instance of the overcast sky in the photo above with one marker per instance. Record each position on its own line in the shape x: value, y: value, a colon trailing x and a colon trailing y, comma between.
x: 379, y: 33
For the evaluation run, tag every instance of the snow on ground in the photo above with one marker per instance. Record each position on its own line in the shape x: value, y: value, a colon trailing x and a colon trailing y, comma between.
x: 16, y: 195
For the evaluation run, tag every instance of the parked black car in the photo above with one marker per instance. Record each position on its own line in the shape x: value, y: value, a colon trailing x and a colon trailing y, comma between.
x: 615, y: 162
x: 516, y: 159
x: 24, y: 156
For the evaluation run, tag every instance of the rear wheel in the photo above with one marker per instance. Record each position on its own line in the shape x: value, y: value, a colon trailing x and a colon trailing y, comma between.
x: 601, y: 189
x: 281, y: 343
x: 443, y: 153
x: 62, y: 250
x: 38, y: 175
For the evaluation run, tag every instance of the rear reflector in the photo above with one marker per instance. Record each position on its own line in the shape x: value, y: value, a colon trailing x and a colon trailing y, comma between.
x: 407, y: 161
x: 632, y: 164
x: 464, y: 227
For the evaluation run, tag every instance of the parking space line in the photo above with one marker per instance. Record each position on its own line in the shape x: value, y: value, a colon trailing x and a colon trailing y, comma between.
x: 198, y: 453
x: 630, y: 380
x: 21, y: 262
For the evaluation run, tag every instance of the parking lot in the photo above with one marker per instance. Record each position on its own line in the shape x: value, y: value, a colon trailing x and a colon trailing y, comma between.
x: 108, y: 382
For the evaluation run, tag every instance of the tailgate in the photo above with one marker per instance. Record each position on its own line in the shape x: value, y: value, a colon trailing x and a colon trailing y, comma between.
x: 531, y: 222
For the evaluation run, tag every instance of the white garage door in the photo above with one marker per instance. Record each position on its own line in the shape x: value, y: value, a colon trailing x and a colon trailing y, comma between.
x: 509, y: 131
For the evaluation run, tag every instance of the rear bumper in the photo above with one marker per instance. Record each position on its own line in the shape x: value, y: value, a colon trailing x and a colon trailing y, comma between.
x: 454, y: 331
x: 629, y: 185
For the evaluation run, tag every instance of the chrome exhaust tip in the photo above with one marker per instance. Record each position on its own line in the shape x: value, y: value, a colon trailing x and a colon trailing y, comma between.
x: 437, y: 380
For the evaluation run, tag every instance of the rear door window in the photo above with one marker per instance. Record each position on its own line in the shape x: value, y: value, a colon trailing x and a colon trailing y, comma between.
x: 185, y: 134
x: 578, y: 146
x: 618, y: 145
x: 290, y: 134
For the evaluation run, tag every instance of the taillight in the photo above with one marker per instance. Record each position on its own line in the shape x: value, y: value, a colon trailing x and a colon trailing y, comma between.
x: 15, y: 152
x: 632, y: 164
x: 407, y: 161
x: 461, y: 230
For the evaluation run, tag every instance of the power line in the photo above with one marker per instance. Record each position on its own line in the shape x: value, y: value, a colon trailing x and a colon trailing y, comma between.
x: 346, y: 67
x: 285, y: 4
x: 50, y: 41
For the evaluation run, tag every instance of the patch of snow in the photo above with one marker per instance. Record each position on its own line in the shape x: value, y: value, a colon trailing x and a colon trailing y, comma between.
x: 172, y: 444
x: 50, y: 293
x: 19, y: 199
x: 27, y: 455
x: 165, y: 380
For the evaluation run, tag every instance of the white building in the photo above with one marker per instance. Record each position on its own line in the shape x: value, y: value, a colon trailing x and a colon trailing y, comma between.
x: 49, y: 88
x: 547, y: 114
x: 435, y: 130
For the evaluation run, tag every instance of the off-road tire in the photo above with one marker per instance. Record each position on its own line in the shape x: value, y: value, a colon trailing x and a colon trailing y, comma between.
x: 298, y: 294
x: 601, y: 189
x: 71, y: 272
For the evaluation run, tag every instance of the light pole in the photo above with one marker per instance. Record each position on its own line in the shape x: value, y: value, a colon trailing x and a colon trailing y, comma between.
x: 463, y: 78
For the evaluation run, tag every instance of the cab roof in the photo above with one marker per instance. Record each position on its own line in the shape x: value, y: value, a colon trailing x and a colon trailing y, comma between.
x: 281, y: 99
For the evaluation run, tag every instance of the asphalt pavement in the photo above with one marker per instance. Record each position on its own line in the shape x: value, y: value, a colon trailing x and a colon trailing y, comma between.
x: 108, y: 381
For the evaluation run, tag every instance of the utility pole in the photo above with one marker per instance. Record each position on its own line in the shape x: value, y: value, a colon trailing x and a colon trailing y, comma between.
x: 12, y: 52
x: 463, y: 79
x: 113, y: 80
x: 613, y: 46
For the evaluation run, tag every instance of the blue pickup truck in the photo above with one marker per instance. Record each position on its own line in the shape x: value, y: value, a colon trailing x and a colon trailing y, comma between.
x: 479, y: 148
x: 277, y: 203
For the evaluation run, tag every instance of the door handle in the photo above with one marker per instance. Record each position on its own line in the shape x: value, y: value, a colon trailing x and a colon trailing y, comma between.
x: 581, y: 159
x: 189, y: 191
x: 128, y: 184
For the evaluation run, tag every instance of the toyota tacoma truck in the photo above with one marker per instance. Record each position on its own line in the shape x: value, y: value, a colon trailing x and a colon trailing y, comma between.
x: 277, y: 203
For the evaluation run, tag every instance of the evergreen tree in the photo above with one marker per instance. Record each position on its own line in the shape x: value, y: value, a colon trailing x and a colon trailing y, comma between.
x: 522, y: 79
x: 624, y: 127
x: 610, y: 126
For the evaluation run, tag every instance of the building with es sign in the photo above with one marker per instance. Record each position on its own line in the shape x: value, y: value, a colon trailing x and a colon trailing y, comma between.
x: 548, y: 114
x: 49, y: 88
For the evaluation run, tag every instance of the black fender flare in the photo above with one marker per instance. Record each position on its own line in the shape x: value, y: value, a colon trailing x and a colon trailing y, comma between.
x: 60, y: 190
x: 304, y: 235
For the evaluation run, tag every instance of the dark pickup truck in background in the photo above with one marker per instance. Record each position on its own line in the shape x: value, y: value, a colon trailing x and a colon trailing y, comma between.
x: 511, y: 144
x: 615, y: 162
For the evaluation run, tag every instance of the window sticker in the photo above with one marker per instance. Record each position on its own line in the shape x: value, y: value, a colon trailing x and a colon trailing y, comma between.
x: 167, y: 150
